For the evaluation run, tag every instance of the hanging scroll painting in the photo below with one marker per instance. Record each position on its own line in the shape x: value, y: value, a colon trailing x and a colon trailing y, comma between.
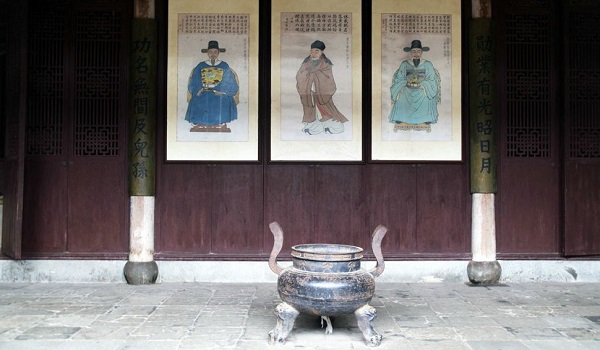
x: 212, y: 80
x: 316, y: 81
x: 416, y: 97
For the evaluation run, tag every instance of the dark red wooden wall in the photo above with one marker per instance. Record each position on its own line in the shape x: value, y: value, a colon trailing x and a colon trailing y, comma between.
x: 76, y: 201
x: 223, y: 211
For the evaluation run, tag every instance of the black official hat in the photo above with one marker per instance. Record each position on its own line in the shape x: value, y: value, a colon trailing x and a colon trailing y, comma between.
x: 318, y: 44
x: 213, y: 44
x: 416, y: 44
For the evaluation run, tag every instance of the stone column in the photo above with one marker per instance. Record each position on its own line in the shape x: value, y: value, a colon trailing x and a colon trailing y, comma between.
x: 483, y: 268
x: 141, y: 267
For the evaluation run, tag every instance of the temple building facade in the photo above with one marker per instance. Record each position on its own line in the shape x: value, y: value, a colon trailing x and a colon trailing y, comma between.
x: 86, y: 117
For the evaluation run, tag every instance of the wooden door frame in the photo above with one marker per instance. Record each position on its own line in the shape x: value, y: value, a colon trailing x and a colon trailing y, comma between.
x: 16, y: 111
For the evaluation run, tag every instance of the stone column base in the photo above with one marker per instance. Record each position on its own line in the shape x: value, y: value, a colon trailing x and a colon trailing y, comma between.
x: 484, y: 272
x: 141, y: 272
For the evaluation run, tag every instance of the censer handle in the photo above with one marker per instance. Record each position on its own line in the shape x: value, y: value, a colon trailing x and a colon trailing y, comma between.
x: 277, y: 244
x: 376, y: 239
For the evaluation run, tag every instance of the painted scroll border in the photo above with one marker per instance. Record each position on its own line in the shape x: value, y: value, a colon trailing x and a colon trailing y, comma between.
x: 316, y: 149
x: 415, y: 150
x: 212, y: 150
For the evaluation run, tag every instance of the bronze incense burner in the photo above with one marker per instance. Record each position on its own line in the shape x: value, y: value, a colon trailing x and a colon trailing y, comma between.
x: 326, y: 280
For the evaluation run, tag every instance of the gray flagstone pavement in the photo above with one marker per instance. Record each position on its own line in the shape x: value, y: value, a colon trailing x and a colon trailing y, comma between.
x: 182, y: 316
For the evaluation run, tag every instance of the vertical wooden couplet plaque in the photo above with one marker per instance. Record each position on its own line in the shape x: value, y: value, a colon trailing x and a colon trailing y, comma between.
x: 482, y: 141
x: 142, y: 128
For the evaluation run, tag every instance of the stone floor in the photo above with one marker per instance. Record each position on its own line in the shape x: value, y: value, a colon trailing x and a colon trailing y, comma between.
x: 181, y: 316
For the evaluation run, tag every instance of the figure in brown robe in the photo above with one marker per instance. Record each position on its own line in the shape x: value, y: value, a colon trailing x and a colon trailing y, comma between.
x: 316, y: 86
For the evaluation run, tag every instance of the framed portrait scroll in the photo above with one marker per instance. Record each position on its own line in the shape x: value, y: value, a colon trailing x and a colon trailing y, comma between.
x: 416, y: 72
x: 212, y: 80
x: 316, y: 81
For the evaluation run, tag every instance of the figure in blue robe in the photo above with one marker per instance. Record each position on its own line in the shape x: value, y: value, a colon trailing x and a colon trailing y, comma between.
x: 415, y: 89
x: 212, y: 93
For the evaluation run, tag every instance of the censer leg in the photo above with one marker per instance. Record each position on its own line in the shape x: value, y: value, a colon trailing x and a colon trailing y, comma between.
x: 364, y: 316
x: 327, y: 320
x: 286, y: 315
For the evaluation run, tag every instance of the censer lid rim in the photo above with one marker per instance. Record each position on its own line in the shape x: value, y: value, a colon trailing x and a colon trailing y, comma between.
x: 317, y: 248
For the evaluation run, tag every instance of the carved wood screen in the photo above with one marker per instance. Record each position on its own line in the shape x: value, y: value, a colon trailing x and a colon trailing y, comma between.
x: 96, y: 44
x: 46, y: 61
x: 550, y: 125
x: 582, y: 135
x: 98, y: 74
x: 583, y: 82
x: 529, y: 172
x: 529, y: 55
x: 75, y: 178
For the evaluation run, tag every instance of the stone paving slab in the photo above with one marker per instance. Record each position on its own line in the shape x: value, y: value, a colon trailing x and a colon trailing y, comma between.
x: 182, y: 316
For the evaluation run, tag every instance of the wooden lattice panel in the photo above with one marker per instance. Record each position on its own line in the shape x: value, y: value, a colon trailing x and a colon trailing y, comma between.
x: 528, y: 101
x: 46, y: 80
x: 97, y: 71
x: 583, y: 79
